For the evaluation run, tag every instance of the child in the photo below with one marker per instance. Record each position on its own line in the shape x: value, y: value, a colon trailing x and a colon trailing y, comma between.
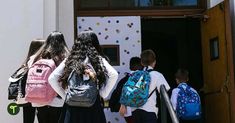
x: 181, y: 77
x: 148, y: 112
x: 54, y: 48
x: 85, y: 48
x: 28, y: 110
x: 135, y: 64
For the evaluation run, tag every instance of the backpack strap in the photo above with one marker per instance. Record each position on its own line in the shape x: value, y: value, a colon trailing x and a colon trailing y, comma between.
x: 149, y: 70
x: 152, y: 92
x: 25, y: 70
x: 146, y: 69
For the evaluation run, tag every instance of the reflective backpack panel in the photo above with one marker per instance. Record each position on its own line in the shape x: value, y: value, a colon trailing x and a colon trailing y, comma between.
x: 135, y: 91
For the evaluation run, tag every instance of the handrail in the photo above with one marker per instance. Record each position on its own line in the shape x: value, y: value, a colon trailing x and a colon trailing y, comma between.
x: 166, y: 104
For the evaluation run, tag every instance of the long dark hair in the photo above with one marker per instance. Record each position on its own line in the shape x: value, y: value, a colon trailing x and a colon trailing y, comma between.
x: 33, y: 48
x: 54, y: 48
x: 86, y: 45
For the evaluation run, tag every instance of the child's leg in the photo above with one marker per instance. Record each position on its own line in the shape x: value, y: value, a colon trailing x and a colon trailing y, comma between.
x: 29, y: 114
x: 54, y: 114
x: 42, y: 114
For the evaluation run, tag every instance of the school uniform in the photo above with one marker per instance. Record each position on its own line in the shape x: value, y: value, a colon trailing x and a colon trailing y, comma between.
x: 48, y: 113
x: 148, y: 112
x: 93, y: 114
x: 174, y: 96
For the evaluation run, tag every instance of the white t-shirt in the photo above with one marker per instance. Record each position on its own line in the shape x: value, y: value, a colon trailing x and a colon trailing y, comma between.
x: 157, y: 79
x: 105, y: 91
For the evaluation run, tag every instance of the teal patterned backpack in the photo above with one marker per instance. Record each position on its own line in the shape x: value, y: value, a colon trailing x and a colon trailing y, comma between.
x: 135, y: 91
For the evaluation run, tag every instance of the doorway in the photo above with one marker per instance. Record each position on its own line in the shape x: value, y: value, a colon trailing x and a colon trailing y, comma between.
x: 177, y: 44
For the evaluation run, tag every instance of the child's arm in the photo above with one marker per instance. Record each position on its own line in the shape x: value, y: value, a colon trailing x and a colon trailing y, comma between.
x: 111, y: 81
x: 54, y: 80
x: 122, y: 110
x: 174, y: 95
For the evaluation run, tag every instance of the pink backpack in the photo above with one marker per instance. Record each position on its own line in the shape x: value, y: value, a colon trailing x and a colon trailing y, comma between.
x: 38, y: 89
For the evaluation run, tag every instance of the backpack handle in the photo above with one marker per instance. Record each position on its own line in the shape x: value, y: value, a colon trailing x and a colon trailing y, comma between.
x: 182, y: 88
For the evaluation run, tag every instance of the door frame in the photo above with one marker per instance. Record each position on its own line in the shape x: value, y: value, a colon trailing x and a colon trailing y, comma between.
x: 230, y: 38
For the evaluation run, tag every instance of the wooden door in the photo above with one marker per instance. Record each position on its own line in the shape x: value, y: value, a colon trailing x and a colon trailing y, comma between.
x: 215, y: 66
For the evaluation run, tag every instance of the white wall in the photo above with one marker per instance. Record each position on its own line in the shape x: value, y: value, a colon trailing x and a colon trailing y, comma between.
x: 21, y: 21
x: 212, y: 3
x: 50, y: 20
x: 124, y: 31
x: 58, y: 15
x: 66, y: 20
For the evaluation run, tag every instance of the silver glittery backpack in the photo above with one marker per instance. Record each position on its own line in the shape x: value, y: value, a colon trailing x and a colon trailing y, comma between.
x: 82, y: 91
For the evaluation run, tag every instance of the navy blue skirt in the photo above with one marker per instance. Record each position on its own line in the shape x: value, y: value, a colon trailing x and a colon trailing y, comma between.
x: 94, y: 114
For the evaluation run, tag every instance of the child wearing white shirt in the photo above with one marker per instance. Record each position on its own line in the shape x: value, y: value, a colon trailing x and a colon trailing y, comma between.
x: 85, y: 48
x: 148, y: 112
x: 181, y: 79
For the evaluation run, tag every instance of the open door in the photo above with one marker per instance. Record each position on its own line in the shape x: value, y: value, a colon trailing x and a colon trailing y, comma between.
x: 215, y: 66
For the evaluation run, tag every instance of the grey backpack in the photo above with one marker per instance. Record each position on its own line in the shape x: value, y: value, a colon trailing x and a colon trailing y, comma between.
x: 81, y: 93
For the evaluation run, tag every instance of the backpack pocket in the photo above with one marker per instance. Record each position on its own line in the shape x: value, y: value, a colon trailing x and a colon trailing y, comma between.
x: 193, y: 111
x: 82, y: 93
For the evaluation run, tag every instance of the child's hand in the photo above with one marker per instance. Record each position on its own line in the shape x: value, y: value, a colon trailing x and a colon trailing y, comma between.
x: 90, y: 73
x: 122, y: 110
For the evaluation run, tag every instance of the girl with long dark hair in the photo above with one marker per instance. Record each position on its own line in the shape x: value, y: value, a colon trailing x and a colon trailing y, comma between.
x: 85, y: 48
x: 28, y: 110
x: 54, y: 48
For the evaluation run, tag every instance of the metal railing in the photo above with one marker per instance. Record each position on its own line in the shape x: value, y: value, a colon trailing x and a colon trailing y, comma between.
x: 166, y: 105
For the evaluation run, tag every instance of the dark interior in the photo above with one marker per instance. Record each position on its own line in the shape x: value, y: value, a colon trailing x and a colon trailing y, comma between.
x: 177, y: 44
